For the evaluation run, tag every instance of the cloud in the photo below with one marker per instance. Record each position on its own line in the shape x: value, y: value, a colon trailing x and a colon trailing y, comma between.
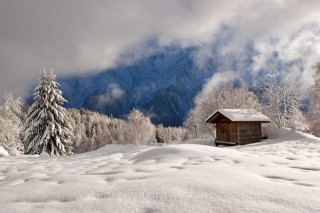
x: 219, y: 79
x: 113, y: 94
x: 295, y: 55
x: 266, y: 56
x: 77, y: 36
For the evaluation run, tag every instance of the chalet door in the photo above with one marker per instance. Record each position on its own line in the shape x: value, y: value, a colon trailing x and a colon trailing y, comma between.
x: 226, y: 134
x: 233, y: 132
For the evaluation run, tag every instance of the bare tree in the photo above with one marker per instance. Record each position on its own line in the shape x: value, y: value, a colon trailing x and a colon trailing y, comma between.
x: 140, y: 129
x: 283, y: 104
x: 314, y: 102
x: 191, y: 125
x: 216, y: 98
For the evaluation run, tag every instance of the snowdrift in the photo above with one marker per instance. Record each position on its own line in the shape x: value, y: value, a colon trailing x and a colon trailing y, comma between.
x: 281, y: 174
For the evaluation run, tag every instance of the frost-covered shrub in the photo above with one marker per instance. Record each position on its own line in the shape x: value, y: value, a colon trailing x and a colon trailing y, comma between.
x: 139, y: 129
x: 11, y: 118
x: 170, y: 135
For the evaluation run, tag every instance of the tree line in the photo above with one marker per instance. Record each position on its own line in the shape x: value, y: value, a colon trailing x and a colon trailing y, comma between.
x: 46, y: 127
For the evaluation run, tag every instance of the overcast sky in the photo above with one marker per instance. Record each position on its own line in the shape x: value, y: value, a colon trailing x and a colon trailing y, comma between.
x: 78, y: 36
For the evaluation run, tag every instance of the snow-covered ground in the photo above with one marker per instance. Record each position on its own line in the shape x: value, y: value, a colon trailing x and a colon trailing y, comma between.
x: 277, y: 175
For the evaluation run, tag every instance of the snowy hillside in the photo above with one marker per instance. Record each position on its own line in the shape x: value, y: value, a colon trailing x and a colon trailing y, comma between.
x: 277, y: 175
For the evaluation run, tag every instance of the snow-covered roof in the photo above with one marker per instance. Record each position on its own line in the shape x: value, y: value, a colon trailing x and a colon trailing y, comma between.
x: 237, y: 115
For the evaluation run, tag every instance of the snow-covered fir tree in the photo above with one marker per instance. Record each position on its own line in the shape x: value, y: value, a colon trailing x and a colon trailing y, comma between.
x: 47, y: 127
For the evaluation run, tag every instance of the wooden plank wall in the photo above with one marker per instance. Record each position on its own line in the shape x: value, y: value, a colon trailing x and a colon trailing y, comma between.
x: 227, y: 132
x: 222, y: 134
x: 249, y: 132
x: 233, y: 129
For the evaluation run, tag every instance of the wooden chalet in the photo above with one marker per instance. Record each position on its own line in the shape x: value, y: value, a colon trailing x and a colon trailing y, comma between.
x: 237, y: 126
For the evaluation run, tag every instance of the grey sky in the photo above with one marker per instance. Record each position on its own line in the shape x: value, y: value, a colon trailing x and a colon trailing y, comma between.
x: 76, y: 36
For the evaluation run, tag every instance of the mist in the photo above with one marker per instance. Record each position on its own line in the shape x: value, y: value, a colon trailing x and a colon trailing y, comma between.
x: 76, y: 37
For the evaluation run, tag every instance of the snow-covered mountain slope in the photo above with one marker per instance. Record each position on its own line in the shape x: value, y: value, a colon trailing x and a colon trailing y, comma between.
x: 163, y: 80
x: 163, y: 85
x: 277, y: 175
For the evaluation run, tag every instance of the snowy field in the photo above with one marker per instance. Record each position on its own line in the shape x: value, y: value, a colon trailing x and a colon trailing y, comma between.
x: 278, y: 175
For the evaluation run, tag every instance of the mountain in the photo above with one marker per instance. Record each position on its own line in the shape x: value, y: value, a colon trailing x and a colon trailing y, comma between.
x: 162, y: 85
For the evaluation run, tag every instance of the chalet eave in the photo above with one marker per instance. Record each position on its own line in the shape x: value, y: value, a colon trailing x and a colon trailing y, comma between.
x: 220, y: 118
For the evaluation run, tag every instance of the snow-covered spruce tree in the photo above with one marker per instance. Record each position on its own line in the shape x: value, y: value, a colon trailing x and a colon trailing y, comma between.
x: 314, y: 107
x: 47, y: 127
